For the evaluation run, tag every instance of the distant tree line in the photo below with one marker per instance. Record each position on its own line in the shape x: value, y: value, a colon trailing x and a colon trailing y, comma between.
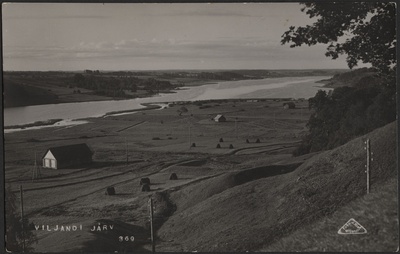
x: 116, y: 86
x: 220, y: 76
x: 92, y: 72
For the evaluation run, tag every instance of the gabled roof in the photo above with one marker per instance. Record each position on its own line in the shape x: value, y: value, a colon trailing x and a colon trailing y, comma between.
x: 65, y: 153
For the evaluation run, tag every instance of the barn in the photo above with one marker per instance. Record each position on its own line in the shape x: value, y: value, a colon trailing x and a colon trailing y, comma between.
x: 220, y: 118
x: 67, y: 156
x: 289, y: 105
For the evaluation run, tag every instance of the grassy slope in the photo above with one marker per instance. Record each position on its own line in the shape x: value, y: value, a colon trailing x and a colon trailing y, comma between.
x: 253, y: 215
x: 377, y: 212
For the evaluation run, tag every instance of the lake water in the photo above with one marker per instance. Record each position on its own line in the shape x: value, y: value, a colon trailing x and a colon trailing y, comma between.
x: 289, y: 87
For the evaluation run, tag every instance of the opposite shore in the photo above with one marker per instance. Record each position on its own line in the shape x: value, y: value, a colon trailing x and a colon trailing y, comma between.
x: 215, y: 92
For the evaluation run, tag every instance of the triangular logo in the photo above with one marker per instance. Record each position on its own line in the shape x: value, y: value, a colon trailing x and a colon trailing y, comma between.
x: 352, y: 227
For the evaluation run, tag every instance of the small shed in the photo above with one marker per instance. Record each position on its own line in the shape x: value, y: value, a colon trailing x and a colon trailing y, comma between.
x: 67, y: 156
x: 289, y: 105
x: 220, y: 118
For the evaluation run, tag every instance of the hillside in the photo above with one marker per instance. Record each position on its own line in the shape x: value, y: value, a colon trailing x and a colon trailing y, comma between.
x: 230, y: 215
x: 353, y: 78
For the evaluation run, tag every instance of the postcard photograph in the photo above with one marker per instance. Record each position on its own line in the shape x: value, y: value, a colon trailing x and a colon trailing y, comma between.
x: 200, y: 127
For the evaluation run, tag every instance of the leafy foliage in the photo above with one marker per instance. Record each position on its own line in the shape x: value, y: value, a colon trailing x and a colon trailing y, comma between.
x: 368, y: 30
x: 348, y: 113
x: 15, y: 233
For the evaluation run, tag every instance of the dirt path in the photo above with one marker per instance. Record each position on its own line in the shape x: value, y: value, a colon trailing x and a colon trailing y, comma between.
x: 102, y: 182
x: 281, y: 146
x: 100, y: 189
x: 131, y: 126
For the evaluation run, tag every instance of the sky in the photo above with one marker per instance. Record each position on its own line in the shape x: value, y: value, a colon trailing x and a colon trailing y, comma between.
x: 139, y: 36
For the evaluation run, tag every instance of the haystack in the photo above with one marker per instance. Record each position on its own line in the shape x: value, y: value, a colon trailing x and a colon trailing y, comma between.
x: 173, y: 177
x: 145, y: 187
x: 145, y: 180
x: 110, y: 191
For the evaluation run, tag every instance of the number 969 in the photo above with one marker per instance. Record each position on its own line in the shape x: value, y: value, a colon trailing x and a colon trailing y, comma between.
x: 126, y: 238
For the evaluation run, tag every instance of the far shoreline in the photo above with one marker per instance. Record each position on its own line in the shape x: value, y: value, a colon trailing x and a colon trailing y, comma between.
x: 105, y: 98
x: 144, y: 106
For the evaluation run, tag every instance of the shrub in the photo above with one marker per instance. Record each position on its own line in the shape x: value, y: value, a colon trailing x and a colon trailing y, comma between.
x: 17, y: 230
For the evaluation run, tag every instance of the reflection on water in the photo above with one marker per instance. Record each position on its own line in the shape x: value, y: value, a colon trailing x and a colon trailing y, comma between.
x: 290, y: 87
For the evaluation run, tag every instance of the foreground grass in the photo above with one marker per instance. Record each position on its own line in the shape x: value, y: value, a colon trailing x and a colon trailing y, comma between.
x: 376, y: 211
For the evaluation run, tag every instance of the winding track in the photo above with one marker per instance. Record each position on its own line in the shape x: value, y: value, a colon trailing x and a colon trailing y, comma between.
x: 101, y: 189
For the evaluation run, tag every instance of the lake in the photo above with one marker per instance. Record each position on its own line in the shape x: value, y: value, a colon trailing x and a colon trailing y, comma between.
x: 288, y: 87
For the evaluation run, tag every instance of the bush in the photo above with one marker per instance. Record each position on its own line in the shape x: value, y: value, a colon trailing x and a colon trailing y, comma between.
x: 15, y: 233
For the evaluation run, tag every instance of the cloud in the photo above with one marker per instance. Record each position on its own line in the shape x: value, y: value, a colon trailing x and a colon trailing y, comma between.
x: 226, y: 52
x: 154, y: 48
x: 209, y: 13
x: 29, y: 17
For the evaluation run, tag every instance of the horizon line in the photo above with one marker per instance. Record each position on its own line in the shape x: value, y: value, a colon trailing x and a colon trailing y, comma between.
x: 126, y: 70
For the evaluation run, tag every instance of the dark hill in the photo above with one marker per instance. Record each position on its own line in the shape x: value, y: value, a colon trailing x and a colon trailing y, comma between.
x: 17, y: 95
